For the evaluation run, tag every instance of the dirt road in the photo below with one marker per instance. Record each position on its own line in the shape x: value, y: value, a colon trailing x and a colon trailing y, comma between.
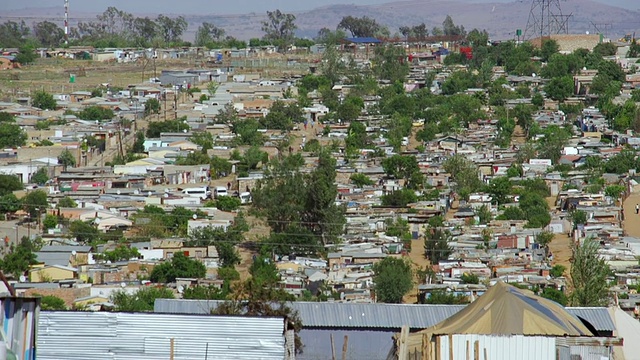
x: 631, y: 224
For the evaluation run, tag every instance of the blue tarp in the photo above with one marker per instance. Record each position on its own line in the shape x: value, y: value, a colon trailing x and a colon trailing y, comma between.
x: 363, y: 40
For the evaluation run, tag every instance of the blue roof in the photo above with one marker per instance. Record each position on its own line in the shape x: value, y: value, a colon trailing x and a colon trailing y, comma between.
x: 363, y: 40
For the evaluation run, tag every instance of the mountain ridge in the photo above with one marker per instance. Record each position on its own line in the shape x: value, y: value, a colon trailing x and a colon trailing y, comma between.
x: 500, y: 19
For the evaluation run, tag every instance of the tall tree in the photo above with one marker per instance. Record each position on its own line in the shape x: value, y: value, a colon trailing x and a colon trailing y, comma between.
x: 13, y: 34
x: 393, y: 279
x: 180, y: 266
x: 436, y: 244
x: 11, y: 135
x: 171, y: 29
x: 48, y: 34
x: 66, y: 159
x: 449, y: 28
x: 280, y: 28
x: 43, y: 100
x: 207, y: 33
x: 360, y: 27
x: 589, y: 275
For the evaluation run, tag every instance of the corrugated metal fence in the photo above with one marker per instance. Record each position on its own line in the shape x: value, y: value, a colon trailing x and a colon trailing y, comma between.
x: 89, y: 335
x: 19, y: 321
x: 498, y: 347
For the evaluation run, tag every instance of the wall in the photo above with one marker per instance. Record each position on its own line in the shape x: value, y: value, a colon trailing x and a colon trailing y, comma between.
x: 362, y: 344
x: 499, y: 347
x: 19, y: 322
x: 68, y: 294
x: 106, y: 335
x: 50, y: 274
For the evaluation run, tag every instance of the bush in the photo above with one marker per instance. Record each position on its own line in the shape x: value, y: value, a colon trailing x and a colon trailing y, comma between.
x: 228, y: 203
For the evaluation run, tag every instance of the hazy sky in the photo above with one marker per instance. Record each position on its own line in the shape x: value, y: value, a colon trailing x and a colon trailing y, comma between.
x: 183, y: 6
x: 207, y: 7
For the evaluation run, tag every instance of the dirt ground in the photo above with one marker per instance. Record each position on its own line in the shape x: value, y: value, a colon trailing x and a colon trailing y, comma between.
x: 631, y: 225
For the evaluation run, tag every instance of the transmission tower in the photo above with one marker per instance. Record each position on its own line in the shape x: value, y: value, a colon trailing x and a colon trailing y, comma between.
x: 546, y: 19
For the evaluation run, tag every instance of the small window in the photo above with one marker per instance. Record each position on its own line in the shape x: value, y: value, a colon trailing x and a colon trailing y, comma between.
x: 169, y: 255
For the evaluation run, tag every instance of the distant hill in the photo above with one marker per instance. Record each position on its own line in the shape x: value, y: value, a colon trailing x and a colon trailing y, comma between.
x: 501, y: 19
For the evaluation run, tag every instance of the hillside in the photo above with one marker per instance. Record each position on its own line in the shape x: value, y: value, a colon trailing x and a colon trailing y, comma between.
x: 499, y: 18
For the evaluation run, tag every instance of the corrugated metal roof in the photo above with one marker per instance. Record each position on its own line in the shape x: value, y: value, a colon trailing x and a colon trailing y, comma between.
x: 96, y: 335
x: 354, y: 315
x: 344, y: 315
x: 598, y: 317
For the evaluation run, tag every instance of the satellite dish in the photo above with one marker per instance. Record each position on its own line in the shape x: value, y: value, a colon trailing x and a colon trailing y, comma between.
x: 23, y: 278
x: 180, y: 289
x: 534, y: 74
x: 587, y: 33
x: 74, y: 253
x: 118, y: 192
x: 149, y: 193
x: 123, y: 285
x: 166, y: 195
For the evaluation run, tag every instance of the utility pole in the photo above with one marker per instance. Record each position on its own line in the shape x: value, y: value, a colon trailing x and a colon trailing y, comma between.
x: 66, y: 22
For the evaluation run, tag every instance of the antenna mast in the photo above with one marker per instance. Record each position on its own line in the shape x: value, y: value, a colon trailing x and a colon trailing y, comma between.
x: 66, y: 22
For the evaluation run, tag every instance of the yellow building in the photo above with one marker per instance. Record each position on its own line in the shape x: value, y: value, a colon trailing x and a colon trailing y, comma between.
x: 40, y: 273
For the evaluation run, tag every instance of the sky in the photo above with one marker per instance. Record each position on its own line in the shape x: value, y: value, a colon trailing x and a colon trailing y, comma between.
x: 183, y: 6
x: 207, y: 7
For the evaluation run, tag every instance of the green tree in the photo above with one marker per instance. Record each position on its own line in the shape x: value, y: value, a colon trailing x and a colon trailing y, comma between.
x: 404, y: 167
x: 589, y: 274
x: 83, y: 232
x: 9, y: 203
x: 180, y: 266
x: 40, y: 177
x: 605, y: 49
x: 544, y: 239
x: 537, y: 100
x: 399, y: 198
x: 578, y: 217
x: 390, y: 63
x: 155, y: 128
x: 614, y: 191
x: 9, y: 184
x: 205, y: 293
x: 282, y: 116
x: 51, y: 303
x: 360, y: 27
x: 207, y: 34
x: 152, y: 106
x: 120, y: 253
x: 35, y: 203
x: 67, y: 202
x: 393, y: 278
x: 499, y: 188
x: 66, y: 159
x: 95, y: 113
x: 548, y: 48
x: 11, y: 135
x: 470, y: 278
x: 49, y: 222
x: 17, y: 261
x: 553, y: 142
x: 560, y: 88
x: 554, y: 295
x: 557, y: 271
x: 360, y: 180
x: 247, y: 133
x: 279, y: 28
x: 43, y: 100
x: 141, y: 301
x: 464, y: 172
x: 138, y: 144
x: 228, y: 203
x: 436, y: 244
x: 444, y: 298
